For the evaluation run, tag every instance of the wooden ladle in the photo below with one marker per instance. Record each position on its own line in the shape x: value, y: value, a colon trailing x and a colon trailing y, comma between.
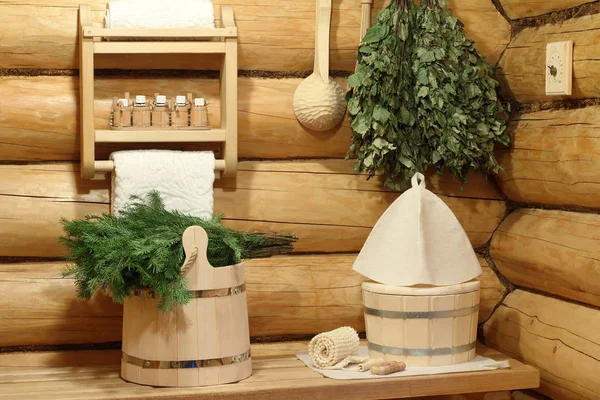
x: 319, y: 101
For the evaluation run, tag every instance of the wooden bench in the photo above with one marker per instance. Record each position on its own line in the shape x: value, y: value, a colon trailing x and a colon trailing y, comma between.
x: 94, y: 374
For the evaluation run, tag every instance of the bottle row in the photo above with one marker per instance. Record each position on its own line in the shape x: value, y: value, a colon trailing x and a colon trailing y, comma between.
x: 178, y: 113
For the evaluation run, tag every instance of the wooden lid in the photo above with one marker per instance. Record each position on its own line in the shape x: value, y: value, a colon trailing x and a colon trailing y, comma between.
x: 422, y: 290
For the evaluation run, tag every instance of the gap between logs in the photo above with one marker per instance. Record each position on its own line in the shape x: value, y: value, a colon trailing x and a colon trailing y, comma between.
x: 554, y: 17
x: 172, y: 73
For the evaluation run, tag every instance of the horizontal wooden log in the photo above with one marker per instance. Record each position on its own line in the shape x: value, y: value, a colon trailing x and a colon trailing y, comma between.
x: 527, y: 395
x: 39, y: 117
x: 272, y: 36
x: 554, y: 158
x: 523, y: 64
x: 552, y: 251
x: 287, y: 295
x: 471, y: 396
x: 558, y: 338
x: 329, y: 207
x: 530, y: 8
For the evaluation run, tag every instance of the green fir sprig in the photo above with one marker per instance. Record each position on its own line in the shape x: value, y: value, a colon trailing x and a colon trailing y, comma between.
x: 142, y: 249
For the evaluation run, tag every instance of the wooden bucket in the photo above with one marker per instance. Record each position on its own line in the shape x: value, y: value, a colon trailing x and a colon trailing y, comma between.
x: 141, y: 116
x: 205, y: 342
x: 180, y: 115
x: 160, y: 117
x: 422, y: 325
x: 199, y: 117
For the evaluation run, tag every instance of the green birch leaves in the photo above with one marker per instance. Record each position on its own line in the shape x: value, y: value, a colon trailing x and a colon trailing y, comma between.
x: 422, y: 95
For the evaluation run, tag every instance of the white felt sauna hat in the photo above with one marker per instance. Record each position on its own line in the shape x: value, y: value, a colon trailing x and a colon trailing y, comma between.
x: 418, y: 240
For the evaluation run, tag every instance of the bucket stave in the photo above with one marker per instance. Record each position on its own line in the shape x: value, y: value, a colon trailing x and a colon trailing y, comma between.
x: 422, y: 325
x: 204, y: 342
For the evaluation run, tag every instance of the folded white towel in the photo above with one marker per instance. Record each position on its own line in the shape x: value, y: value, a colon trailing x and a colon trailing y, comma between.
x: 184, y: 179
x: 156, y: 14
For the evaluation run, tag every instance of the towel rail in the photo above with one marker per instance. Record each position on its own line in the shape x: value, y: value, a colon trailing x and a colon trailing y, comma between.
x: 108, y: 166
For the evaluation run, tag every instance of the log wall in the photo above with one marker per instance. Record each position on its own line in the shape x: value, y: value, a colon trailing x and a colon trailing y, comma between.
x: 523, y: 64
x: 557, y: 337
x: 324, y: 202
x: 554, y: 158
x: 287, y: 295
x: 516, y: 9
x: 39, y: 116
x: 552, y: 251
x: 307, y: 188
x: 273, y: 36
x: 551, y: 164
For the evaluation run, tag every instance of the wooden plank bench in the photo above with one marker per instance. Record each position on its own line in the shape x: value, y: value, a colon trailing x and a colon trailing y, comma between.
x: 94, y: 374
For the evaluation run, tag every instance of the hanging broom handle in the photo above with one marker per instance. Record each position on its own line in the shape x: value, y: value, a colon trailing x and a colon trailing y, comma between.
x: 365, y: 17
x: 365, y: 21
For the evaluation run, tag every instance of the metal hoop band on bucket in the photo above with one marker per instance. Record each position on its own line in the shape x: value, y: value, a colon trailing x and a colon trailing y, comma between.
x: 213, y: 362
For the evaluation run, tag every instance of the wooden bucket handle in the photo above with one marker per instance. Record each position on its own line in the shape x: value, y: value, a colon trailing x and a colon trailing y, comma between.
x: 323, y: 25
x: 198, y: 271
x: 195, y: 245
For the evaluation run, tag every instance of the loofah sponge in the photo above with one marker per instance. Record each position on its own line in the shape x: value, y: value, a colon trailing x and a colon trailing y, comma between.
x: 335, y: 349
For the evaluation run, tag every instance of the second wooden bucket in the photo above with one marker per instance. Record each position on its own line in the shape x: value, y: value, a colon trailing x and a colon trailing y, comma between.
x: 205, y: 342
x: 422, y: 326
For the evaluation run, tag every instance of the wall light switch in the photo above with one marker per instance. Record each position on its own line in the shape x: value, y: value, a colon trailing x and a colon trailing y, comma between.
x: 559, y: 68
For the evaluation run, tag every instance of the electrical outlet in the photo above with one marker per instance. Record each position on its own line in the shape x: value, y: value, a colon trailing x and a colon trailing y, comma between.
x: 559, y: 68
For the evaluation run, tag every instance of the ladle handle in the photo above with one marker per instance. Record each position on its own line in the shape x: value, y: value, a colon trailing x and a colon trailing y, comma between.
x: 323, y: 25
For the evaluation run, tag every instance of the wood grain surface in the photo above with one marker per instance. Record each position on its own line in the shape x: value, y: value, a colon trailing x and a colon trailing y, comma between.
x: 39, y: 117
x: 558, y: 338
x: 329, y: 207
x: 530, y: 8
x: 272, y: 36
x: 554, y: 158
x: 523, y: 64
x: 274, y: 376
x: 552, y: 251
x: 287, y: 295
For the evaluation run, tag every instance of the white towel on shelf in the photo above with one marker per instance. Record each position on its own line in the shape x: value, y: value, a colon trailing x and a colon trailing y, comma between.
x: 157, y: 14
x: 184, y: 179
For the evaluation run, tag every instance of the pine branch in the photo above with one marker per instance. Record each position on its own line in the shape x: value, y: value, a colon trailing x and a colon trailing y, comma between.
x: 142, y: 248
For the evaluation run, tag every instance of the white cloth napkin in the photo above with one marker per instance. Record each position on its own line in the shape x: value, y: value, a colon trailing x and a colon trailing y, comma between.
x: 184, y: 179
x: 156, y: 14
x: 479, y: 363
x: 418, y: 240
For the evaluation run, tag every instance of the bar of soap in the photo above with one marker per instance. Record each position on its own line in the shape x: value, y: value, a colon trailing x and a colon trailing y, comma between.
x: 388, y: 367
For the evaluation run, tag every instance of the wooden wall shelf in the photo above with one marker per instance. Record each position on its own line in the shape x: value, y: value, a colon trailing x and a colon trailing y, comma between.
x: 220, y: 40
x: 160, y: 136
